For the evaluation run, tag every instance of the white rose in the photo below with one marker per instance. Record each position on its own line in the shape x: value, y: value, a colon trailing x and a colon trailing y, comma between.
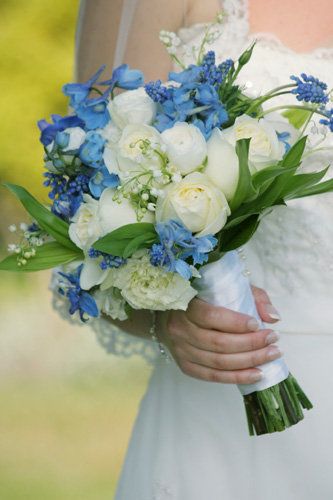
x: 195, y: 202
x: 113, y: 214
x: 186, y: 146
x: 86, y: 227
x: 92, y: 274
x: 133, y: 106
x: 111, y: 303
x: 76, y: 138
x: 130, y: 152
x: 265, y: 148
x: 222, y: 164
x: 145, y: 286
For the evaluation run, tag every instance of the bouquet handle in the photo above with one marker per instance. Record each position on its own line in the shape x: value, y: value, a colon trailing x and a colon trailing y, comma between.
x: 276, y: 401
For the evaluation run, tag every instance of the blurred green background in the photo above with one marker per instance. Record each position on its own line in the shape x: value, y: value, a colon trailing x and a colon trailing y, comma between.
x: 67, y: 407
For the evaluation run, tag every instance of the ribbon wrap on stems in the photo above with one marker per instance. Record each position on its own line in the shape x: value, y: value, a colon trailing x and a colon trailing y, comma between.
x: 224, y: 283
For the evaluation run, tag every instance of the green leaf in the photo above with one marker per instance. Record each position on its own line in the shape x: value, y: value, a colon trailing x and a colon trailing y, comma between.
x: 294, y: 156
x: 237, y: 236
x: 245, y: 189
x: 52, y: 224
x: 297, y: 117
x: 47, y: 256
x: 115, y: 242
x: 142, y: 241
x: 321, y: 188
x: 301, y: 181
x: 267, y: 174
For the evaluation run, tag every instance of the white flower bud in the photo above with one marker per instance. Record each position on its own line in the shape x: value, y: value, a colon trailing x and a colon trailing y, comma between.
x: 12, y: 228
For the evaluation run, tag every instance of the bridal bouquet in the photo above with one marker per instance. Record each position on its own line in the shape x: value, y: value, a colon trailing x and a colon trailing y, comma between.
x: 153, y: 189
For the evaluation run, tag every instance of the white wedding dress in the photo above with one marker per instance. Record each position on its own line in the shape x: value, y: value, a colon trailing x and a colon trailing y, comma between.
x: 190, y: 439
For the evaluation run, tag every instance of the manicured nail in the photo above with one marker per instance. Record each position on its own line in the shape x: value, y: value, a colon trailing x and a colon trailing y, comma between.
x: 274, y: 352
x: 253, y: 325
x: 255, y: 377
x: 272, y: 312
x: 272, y: 337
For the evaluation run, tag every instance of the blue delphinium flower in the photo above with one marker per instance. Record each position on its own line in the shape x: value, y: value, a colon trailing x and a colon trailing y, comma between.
x: 91, y: 151
x: 50, y: 130
x: 78, y: 92
x: 108, y: 260
x: 178, y: 244
x: 309, y: 89
x: 80, y: 300
x: 284, y: 137
x: 101, y: 180
x: 125, y: 78
x: 329, y: 120
x: 94, y: 112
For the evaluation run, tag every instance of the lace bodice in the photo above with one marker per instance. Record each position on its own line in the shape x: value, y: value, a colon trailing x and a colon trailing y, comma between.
x: 291, y: 256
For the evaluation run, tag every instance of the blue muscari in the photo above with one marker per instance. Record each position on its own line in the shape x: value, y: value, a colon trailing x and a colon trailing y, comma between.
x: 309, y: 89
x: 329, y: 120
x: 80, y: 300
x: 108, y: 261
x: 177, y: 244
x: 66, y: 193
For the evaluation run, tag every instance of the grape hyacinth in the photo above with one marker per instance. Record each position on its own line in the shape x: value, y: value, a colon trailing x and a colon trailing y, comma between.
x: 309, y: 89
x: 108, y: 261
x: 158, y: 92
x: 213, y: 74
x: 329, y: 120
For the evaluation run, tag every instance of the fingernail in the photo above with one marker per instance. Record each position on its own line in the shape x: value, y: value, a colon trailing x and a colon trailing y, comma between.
x: 272, y: 337
x: 272, y: 312
x: 253, y: 325
x: 255, y: 377
x: 274, y: 352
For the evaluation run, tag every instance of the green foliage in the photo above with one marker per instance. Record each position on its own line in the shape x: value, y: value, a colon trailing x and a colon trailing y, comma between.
x: 269, y: 187
x: 297, y: 117
x: 52, y: 224
x: 125, y: 240
x: 245, y: 189
x: 47, y: 256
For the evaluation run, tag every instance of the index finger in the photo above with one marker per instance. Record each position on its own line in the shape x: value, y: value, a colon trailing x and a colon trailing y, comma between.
x: 222, y: 319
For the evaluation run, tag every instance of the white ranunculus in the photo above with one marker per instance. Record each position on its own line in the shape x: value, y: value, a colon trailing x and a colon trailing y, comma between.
x: 85, y: 227
x: 186, y: 146
x: 113, y: 214
x: 111, y: 303
x: 222, y: 164
x: 76, y: 138
x: 132, y: 106
x: 265, y: 148
x: 145, y: 286
x: 196, y: 202
x: 281, y: 125
x: 130, y: 145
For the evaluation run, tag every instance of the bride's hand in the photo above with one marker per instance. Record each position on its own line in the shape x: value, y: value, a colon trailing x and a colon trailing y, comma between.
x: 219, y: 345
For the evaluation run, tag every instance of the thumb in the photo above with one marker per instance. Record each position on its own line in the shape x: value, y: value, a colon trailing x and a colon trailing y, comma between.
x: 266, y: 310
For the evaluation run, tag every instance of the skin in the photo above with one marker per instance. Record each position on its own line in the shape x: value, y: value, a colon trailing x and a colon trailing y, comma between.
x: 209, y: 343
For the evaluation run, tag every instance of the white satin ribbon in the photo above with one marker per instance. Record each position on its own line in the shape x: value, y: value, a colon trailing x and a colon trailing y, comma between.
x: 224, y: 283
